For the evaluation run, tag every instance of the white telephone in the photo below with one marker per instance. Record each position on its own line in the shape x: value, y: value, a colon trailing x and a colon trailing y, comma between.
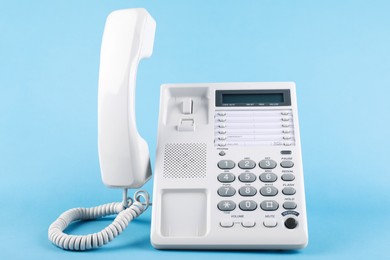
x: 228, y: 172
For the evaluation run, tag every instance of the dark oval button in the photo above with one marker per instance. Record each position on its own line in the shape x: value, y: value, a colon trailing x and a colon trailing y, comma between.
x: 291, y: 223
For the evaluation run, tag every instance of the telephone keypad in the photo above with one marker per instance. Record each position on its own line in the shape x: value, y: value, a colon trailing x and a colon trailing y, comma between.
x: 268, y: 177
x: 226, y: 205
x: 226, y: 164
x: 247, y: 205
x: 247, y: 191
x: 226, y: 177
x: 269, y: 205
x: 267, y: 164
x: 268, y: 190
x: 247, y: 164
x: 247, y: 177
x: 226, y: 191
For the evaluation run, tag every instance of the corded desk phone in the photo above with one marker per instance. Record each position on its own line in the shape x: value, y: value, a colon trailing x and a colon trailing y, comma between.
x: 228, y: 171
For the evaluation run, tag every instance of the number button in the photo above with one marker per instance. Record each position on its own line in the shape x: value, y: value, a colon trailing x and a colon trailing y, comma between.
x: 226, y: 205
x: 226, y: 177
x: 247, y: 177
x: 288, y: 191
x: 247, y: 191
x: 226, y: 164
x: 269, y: 205
x: 287, y: 164
x: 268, y: 177
x: 247, y: 205
x: 247, y: 164
x: 268, y: 191
x: 267, y: 164
x: 288, y: 177
x: 226, y: 191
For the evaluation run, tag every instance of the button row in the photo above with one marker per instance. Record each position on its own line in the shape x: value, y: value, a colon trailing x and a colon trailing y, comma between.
x: 227, y: 177
x: 250, y: 205
x: 249, y: 164
x: 249, y: 191
x: 269, y: 222
x: 289, y: 223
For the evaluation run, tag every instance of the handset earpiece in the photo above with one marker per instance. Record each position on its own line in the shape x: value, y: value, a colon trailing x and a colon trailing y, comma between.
x: 123, y: 153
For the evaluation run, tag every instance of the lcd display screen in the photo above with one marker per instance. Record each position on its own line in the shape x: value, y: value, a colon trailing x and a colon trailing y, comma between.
x: 255, y: 98
x: 252, y: 97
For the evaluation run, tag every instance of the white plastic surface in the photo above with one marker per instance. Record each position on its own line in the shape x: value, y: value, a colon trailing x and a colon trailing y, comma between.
x: 181, y: 169
x: 123, y: 153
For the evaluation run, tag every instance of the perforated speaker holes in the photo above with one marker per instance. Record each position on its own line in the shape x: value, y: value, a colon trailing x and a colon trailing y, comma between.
x: 185, y: 160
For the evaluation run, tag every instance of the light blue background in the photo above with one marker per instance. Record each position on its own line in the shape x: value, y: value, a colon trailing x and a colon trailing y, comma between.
x: 337, y: 52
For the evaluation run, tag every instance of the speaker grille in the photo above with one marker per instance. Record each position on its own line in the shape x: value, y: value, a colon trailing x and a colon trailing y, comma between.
x: 185, y: 160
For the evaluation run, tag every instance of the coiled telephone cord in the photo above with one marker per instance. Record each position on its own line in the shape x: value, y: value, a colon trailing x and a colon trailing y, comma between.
x: 127, y: 210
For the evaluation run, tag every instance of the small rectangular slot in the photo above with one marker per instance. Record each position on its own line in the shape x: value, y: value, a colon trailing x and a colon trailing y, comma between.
x: 184, y: 213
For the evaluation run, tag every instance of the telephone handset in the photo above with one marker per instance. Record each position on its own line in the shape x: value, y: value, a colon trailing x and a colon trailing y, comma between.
x: 228, y: 171
x: 123, y: 153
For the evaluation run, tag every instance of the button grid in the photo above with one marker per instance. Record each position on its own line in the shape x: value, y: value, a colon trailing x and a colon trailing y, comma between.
x: 251, y: 198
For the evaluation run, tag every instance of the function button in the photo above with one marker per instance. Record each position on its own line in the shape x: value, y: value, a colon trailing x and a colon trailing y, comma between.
x: 285, y: 152
x: 221, y: 113
x: 247, y: 205
x: 289, y: 205
x: 226, y: 223
x: 226, y: 164
x: 288, y: 191
x: 222, y: 153
x: 248, y: 223
x: 267, y: 164
x: 222, y: 132
x: 247, y: 164
x: 288, y: 177
x: 247, y: 177
x: 226, y: 205
x: 287, y: 164
x: 270, y: 222
x: 226, y: 191
x: 291, y: 223
x: 247, y: 191
x: 226, y: 177
x: 269, y: 205
x: 268, y: 177
x: 268, y: 191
